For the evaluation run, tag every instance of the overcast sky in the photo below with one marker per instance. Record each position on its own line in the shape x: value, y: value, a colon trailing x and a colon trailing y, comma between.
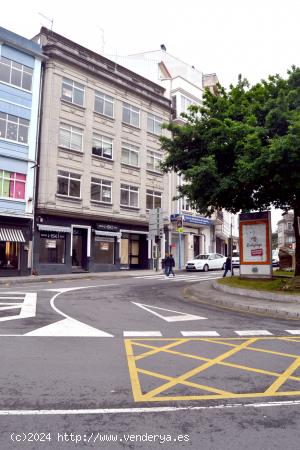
x: 255, y: 38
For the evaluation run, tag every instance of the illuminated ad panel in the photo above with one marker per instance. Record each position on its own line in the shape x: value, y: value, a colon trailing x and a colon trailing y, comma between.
x: 255, y: 249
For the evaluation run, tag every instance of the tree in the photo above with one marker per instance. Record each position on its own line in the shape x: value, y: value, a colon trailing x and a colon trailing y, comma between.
x: 241, y: 149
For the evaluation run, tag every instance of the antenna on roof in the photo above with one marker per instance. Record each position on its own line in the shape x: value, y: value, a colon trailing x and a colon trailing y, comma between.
x: 102, y: 39
x: 47, y: 18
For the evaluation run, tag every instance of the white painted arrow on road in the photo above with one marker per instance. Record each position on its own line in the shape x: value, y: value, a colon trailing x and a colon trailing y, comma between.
x: 68, y: 327
x: 179, y: 317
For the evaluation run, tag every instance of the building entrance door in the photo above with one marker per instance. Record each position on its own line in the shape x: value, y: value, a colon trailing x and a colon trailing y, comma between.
x: 196, y: 245
x: 79, y: 256
x: 134, y: 253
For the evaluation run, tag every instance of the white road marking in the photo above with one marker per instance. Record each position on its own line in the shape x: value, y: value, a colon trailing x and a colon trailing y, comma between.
x: 199, y: 333
x: 180, y: 317
x: 293, y: 331
x: 142, y: 333
x: 27, y: 306
x: 254, y: 333
x: 159, y: 409
x: 68, y: 327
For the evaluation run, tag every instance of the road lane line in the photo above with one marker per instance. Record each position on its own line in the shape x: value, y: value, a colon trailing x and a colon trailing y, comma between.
x: 159, y: 409
x: 295, y: 332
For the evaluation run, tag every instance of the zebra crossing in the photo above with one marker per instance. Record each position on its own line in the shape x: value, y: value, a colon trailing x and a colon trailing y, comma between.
x: 210, y: 333
x: 186, y: 278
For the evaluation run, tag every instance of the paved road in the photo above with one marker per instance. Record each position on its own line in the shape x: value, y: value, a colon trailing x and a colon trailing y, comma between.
x: 133, y: 360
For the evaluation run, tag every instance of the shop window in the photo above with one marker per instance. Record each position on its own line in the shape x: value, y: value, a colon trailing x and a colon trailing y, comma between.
x: 104, y: 250
x: 52, y: 248
x: 9, y: 255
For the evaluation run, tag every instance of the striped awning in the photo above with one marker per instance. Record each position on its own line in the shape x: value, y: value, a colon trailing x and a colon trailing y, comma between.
x: 54, y: 228
x: 11, y: 235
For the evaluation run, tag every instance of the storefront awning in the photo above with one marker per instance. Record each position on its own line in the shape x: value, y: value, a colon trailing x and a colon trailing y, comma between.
x: 11, y: 235
x: 108, y: 233
x: 56, y: 228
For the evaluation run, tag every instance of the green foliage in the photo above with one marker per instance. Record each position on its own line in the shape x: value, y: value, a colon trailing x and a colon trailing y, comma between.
x: 241, y: 149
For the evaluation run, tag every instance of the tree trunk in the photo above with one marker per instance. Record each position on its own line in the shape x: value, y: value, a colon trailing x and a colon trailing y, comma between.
x: 297, y: 238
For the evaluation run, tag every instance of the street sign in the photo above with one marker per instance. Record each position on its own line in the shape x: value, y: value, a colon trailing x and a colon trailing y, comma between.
x: 156, y: 223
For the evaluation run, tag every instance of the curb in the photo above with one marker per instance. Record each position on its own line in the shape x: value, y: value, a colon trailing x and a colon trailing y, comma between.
x: 256, y: 294
x: 262, y: 310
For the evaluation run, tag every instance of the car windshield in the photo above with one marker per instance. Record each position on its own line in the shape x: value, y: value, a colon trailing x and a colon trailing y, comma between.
x: 202, y: 257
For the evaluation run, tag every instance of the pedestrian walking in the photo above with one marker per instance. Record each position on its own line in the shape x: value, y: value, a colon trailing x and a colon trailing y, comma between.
x: 172, y: 264
x: 167, y: 266
x: 228, y: 266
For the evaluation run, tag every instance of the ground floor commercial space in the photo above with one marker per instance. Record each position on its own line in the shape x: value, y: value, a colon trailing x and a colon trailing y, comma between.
x: 190, y: 236
x: 15, y: 246
x: 66, y: 245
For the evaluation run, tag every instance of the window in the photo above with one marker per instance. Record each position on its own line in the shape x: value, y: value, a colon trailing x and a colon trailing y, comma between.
x: 101, y: 190
x: 104, y: 104
x: 52, y: 248
x: 14, y: 128
x: 9, y: 255
x: 12, y: 185
x: 70, y: 137
x: 104, y: 250
x: 153, y: 199
x: 102, y: 146
x: 16, y: 74
x: 131, y: 115
x: 154, y: 124
x: 186, y: 206
x: 153, y: 161
x: 290, y: 226
x: 72, y: 92
x: 129, y: 196
x: 185, y: 102
x: 130, y: 155
x: 68, y: 184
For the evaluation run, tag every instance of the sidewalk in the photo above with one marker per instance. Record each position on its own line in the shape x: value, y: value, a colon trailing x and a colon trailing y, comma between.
x: 77, y: 276
x: 286, y: 306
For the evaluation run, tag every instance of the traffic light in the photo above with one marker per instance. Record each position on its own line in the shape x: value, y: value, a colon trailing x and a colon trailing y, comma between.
x: 179, y: 223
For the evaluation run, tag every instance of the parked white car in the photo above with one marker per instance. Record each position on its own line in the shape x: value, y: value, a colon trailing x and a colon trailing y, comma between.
x: 206, y: 262
x: 236, y: 259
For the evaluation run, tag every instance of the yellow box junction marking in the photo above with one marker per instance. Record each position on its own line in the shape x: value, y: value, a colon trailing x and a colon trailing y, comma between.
x: 166, y: 347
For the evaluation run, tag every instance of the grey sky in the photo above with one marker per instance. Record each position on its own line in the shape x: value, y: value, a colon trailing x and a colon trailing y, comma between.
x: 228, y: 37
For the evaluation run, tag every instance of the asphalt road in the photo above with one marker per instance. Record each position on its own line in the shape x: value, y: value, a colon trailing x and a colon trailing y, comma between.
x: 133, y: 363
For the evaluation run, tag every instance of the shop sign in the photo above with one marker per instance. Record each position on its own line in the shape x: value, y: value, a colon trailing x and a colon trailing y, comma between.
x: 104, y: 239
x: 52, y: 235
x: 50, y: 243
x: 196, y: 220
x: 107, y: 227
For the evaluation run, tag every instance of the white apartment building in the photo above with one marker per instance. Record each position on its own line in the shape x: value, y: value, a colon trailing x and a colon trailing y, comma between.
x: 99, y: 160
x: 184, y: 85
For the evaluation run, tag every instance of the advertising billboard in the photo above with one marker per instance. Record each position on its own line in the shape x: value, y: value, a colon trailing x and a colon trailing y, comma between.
x: 255, y: 244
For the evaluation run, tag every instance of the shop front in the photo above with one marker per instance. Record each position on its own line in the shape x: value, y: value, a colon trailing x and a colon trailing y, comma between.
x: 62, y: 246
x: 15, y: 248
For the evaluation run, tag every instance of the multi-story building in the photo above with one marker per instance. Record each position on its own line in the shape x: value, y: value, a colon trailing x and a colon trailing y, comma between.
x: 20, y: 81
x: 99, y: 157
x: 184, y: 85
x: 286, y: 234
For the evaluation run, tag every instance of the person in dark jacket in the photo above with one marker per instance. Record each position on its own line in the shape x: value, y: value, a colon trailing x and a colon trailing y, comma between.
x: 227, y: 266
x: 172, y: 264
x: 167, y: 265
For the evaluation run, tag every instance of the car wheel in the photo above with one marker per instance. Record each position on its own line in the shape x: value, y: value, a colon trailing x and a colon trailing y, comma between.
x: 205, y: 268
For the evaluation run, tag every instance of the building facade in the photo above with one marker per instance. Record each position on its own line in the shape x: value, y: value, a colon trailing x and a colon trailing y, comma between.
x: 184, y: 86
x: 286, y: 234
x: 99, y: 156
x: 20, y: 82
